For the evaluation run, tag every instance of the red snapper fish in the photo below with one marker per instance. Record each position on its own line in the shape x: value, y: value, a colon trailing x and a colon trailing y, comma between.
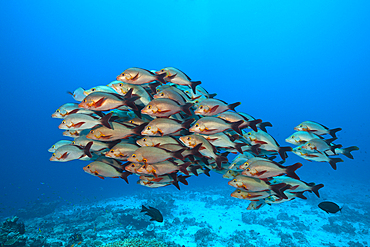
x: 165, y: 107
x: 152, y: 155
x: 211, y: 107
x: 214, y: 125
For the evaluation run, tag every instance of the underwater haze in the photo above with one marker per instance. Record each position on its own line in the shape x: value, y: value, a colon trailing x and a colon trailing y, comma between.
x: 285, y: 61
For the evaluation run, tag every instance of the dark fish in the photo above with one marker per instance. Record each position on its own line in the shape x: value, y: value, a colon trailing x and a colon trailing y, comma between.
x: 152, y: 212
x: 330, y: 207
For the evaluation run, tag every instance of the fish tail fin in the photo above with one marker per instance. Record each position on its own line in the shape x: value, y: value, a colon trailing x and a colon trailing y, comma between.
x: 182, y: 179
x: 113, y: 143
x: 206, y: 171
x: 290, y: 170
x: 105, y: 120
x: 347, y: 151
x: 183, y: 167
x: 263, y: 126
x: 333, y: 162
x: 195, y: 150
x: 194, y: 169
x: 333, y: 132
x: 332, y: 148
x: 282, y: 152
x: 87, y: 149
x: 219, y: 160
x: 187, y: 123
x: 177, y: 155
x: 330, y: 140
x: 315, y: 189
x: 143, y: 209
x: 255, y: 148
x: 235, y: 126
x: 232, y: 106
x: 153, y: 87
x: 175, y: 181
x: 279, y: 189
x: 161, y: 77
x: 238, y: 146
x: 212, y: 95
x: 186, y: 108
x: 124, y: 176
x: 194, y: 84
x: 137, y: 130
x: 300, y: 195
x: 253, y: 124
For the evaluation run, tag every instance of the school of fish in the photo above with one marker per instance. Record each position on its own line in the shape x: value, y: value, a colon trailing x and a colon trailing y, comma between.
x: 164, y: 127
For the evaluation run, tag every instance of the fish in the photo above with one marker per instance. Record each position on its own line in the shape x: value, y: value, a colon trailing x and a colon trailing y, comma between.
x: 97, y: 146
x: 153, y: 141
x: 266, y: 142
x: 214, y: 125
x: 118, y: 131
x: 330, y: 207
x: 64, y: 110
x: 316, y: 128
x: 165, y: 126
x: 121, y: 151
x: 211, y: 107
x: 297, y: 185
x: 170, y: 93
x: 163, y: 168
x: 265, y: 168
x: 316, y: 156
x: 165, y: 107
x: 78, y: 94
x: 102, y: 101
x: 123, y: 88
x: 301, y: 137
x: 58, y: 144
x: 154, y: 213
x: 235, y: 117
x: 252, y: 196
x: 224, y: 141
x: 178, y: 77
x: 80, y: 121
x: 71, y: 152
x: 255, y: 205
x: 138, y: 76
x: 153, y: 155
x: 256, y: 185
x: 103, y: 169
x: 345, y: 151
x: 320, y: 145
x: 205, y: 148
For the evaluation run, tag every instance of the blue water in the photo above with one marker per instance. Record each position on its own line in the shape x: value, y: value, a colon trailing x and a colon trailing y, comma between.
x: 286, y: 61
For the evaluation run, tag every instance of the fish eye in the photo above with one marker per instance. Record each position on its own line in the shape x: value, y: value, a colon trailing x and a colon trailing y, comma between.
x: 122, y: 74
x: 158, y: 90
x: 197, y: 101
x: 249, y: 133
x: 145, y: 160
x: 53, y: 154
x: 298, y: 148
x: 58, y: 110
x: 134, y: 156
x: 112, y: 150
x: 238, y: 191
x: 131, y: 121
x: 248, y: 169
x: 92, y: 132
x: 292, y: 137
x: 201, y: 107
x: 64, y: 121
x: 301, y: 125
x: 84, y: 100
x: 144, y: 140
x: 53, y: 146
x: 196, y: 125
x: 234, y: 180
x: 88, y: 166
x: 189, y: 138
x: 162, y: 94
x: 93, y: 89
x: 149, y: 106
x: 148, y: 128
x: 308, y: 144
x: 73, y: 142
x: 132, y: 165
x: 121, y: 84
x: 162, y: 70
x: 187, y: 92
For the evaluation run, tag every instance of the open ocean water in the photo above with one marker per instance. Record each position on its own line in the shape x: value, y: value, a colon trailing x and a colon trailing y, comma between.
x: 285, y: 61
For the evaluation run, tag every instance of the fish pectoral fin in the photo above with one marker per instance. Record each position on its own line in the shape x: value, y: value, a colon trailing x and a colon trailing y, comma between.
x: 162, y: 111
x: 260, y: 173
x: 260, y: 142
x: 77, y: 125
x: 209, y: 130
x: 160, y: 132
x: 213, y: 109
x: 100, y: 102
x: 135, y: 77
x: 65, y: 155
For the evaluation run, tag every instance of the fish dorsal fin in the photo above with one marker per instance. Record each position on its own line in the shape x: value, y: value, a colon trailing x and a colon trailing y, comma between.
x: 184, y: 74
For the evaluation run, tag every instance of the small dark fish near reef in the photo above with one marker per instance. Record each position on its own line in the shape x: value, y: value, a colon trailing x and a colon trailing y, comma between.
x: 152, y: 212
x: 330, y: 207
